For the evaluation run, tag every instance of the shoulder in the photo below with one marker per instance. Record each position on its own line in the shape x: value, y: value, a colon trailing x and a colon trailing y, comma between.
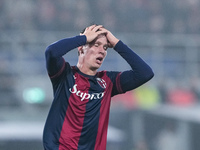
x: 66, y: 69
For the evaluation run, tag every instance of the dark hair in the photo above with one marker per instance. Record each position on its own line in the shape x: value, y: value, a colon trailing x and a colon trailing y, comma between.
x: 82, y: 31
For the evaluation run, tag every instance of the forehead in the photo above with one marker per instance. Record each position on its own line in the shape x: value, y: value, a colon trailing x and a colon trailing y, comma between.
x: 101, y: 38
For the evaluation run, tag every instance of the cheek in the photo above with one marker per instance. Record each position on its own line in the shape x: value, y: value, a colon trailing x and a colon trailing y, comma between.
x: 90, y: 53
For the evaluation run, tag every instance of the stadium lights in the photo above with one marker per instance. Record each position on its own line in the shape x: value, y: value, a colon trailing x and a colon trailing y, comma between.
x: 34, y: 95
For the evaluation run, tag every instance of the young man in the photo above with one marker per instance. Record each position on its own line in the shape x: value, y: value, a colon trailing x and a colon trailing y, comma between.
x: 78, y: 118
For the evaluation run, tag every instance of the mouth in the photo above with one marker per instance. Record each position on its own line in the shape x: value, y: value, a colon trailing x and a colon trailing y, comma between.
x: 99, y: 60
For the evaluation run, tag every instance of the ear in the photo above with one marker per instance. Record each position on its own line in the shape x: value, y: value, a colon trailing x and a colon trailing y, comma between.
x: 80, y: 50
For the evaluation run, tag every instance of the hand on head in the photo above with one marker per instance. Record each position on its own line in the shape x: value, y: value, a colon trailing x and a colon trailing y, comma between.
x: 94, y: 31
x: 112, y: 40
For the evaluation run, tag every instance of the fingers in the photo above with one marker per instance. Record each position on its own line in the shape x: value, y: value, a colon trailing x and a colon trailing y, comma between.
x: 95, y: 28
x: 112, y: 40
x: 93, y: 31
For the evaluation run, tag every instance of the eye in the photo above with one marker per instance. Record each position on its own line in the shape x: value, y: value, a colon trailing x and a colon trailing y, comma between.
x: 96, y: 44
x: 105, y: 47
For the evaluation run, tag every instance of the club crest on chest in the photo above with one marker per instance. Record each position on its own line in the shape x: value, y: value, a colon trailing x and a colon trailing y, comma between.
x: 101, y: 82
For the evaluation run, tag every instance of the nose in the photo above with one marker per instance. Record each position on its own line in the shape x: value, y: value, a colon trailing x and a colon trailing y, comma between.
x: 102, y: 50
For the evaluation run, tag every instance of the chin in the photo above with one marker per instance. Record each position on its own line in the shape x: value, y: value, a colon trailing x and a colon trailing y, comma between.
x: 95, y: 67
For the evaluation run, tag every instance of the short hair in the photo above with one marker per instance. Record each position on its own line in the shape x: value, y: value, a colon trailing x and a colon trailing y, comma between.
x: 82, y: 31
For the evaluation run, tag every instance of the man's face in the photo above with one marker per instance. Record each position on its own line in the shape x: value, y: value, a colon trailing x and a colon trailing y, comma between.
x: 95, y: 52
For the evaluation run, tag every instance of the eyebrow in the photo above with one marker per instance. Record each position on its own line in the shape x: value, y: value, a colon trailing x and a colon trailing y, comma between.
x: 98, y: 42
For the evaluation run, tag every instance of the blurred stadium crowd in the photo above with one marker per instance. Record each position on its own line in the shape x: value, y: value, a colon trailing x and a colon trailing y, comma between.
x: 121, y: 16
x: 164, y: 32
x: 171, y: 16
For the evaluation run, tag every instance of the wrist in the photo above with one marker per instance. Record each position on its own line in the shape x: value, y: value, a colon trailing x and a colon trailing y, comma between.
x: 115, y: 42
x: 118, y: 45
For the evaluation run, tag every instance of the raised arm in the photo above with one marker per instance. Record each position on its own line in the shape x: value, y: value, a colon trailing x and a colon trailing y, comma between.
x: 141, y: 71
x: 55, y: 51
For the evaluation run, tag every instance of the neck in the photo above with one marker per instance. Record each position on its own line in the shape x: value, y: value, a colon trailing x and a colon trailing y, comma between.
x: 86, y: 70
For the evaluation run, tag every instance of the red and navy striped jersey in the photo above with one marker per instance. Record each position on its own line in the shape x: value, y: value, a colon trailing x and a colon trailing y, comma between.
x: 79, y: 114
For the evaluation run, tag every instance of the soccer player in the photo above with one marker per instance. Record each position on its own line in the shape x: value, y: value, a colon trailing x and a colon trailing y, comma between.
x: 79, y: 114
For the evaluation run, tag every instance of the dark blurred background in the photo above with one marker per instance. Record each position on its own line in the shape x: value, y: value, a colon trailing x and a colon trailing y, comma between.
x: 163, y: 114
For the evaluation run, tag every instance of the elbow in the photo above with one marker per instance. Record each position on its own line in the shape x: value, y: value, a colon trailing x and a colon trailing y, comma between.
x: 48, y: 51
x: 152, y: 75
x: 149, y: 75
x: 146, y: 75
